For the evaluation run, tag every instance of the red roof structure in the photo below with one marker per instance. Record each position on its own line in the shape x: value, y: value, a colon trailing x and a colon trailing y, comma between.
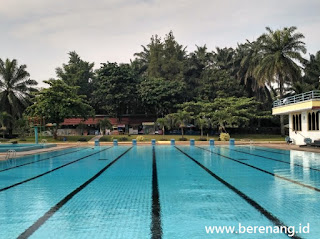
x: 114, y: 121
x: 77, y: 121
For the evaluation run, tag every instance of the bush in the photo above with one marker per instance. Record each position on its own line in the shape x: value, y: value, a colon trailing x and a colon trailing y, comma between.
x: 62, y: 138
x: 106, y: 139
x: 123, y: 139
x: 183, y: 139
x: 202, y: 139
x: 163, y: 139
x: 14, y: 142
x: 224, y: 137
x: 140, y: 138
x: 82, y: 140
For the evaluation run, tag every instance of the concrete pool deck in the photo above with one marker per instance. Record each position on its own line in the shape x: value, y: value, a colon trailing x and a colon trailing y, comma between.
x: 268, y: 144
x: 37, y: 151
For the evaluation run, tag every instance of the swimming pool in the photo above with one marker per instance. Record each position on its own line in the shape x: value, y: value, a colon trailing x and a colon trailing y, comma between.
x: 24, y: 147
x: 159, y: 192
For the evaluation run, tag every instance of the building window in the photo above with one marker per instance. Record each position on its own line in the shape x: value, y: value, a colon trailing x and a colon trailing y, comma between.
x: 296, y: 122
x: 299, y: 122
x: 309, y: 121
x: 293, y: 122
x: 313, y: 121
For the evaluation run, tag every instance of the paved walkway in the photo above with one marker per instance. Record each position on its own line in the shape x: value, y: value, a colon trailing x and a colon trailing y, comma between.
x: 95, y: 138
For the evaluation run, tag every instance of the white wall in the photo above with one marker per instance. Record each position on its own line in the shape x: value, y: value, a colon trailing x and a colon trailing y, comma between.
x: 299, y: 136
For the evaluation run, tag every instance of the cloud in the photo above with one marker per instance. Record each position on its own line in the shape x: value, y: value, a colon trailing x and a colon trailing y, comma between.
x: 41, y: 32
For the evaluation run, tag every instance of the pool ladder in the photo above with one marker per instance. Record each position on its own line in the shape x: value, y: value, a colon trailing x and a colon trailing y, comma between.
x: 11, y: 157
x: 11, y: 153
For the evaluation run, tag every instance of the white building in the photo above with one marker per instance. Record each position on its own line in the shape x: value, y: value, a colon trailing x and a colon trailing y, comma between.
x: 303, y: 111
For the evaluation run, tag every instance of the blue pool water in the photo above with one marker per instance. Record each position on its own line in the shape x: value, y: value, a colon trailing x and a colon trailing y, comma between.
x: 159, y: 192
x: 24, y: 147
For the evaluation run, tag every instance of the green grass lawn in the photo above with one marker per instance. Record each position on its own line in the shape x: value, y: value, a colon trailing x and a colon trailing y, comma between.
x: 50, y: 139
x: 123, y: 138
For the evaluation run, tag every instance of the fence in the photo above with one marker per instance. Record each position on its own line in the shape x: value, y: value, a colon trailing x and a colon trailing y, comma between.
x: 315, y: 94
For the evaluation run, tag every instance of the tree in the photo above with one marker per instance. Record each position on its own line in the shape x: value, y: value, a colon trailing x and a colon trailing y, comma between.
x: 194, y: 108
x: 150, y: 59
x: 196, y: 64
x: 247, y: 58
x: 311, y: 79
x: 174, y: 57
x: 224, y: 58
x: 197, y: 109
x: 163, y: 122
x: 77, y: 73
x: 181, y: 119
x: 15, y: 89
x: 5, y: 119
x: 81, y: 126
x: 233, y: 112
x: 22, y: 126
x: 171, y: 121
x: 219, y: 83
x: 201, y: 123
x: 105, y: 124
x: 58, y: 102
x: 163, y: 59
x: 159, y: 96
x: 226, y: 112
x: 281, y: 49
x: 115, y: 93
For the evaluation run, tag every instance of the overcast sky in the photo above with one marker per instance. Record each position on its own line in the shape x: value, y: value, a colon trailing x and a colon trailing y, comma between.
x: 40, y: 33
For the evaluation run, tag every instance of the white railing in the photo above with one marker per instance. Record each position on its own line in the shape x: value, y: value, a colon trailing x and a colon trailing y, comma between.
x: 315, y: 94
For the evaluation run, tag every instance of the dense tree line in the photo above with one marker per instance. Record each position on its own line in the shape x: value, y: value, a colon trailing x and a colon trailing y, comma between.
x: 164, y: 78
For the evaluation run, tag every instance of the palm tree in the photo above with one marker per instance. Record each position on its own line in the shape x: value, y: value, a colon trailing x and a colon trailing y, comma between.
x: 281, y: 49
x: 196, y: 64
x: 142, y: 59
x: 162, y: 123
x: 182, y: 118
x: 171, y: 121
x: 201, y: 123
x: 105, y: 124
x: 312, y: 71
x: 22, y: 126
x: 224, y: 58
x: 221, y: 118
x: 202, y: 56
x: 81, y: 126
x: 15, y: 88
x: 248, y: 57
x: 4, y: 121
